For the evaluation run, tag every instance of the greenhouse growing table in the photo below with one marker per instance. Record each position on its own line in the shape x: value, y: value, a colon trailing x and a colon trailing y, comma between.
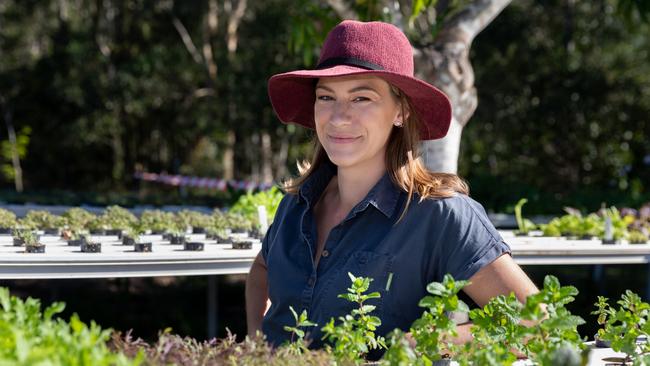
x: 65, y: 262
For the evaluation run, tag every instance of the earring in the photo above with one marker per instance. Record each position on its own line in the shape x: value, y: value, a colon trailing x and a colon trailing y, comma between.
x: 398, y: 123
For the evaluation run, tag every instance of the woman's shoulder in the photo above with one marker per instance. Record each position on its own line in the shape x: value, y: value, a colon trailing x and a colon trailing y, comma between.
x: 457, y: 208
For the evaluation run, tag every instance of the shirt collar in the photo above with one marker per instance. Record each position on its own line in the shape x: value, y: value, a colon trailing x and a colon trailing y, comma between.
x: 383, y: 196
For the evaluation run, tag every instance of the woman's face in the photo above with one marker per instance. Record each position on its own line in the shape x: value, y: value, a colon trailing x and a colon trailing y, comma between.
x: 354, y: 117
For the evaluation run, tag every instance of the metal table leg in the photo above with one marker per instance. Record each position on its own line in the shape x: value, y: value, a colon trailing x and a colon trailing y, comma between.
x: 212, y: 306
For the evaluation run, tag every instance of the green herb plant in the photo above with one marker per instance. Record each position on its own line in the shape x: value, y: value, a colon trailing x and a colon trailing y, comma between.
x: 77, y: 218
x: 40, y: 219
x: 354, y: 336
x: 7, y: 219
x: 118, y: 218
x: 31, y: 337
x: 524, y: 225
x: 541, y: 328
x: 298, y: 344
x: 623, y: 326
x: 28, y: 236
x: 157, y: 220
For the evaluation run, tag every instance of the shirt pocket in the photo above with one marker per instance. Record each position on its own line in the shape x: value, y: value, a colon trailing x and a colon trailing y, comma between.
x: 376, y: 266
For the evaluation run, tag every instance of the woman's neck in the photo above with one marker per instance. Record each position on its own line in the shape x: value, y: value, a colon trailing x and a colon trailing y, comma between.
x: 352, y: 184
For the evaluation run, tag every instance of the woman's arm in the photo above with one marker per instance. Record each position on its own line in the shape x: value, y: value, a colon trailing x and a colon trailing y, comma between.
x: 257, y: 295
x: 501, y: 277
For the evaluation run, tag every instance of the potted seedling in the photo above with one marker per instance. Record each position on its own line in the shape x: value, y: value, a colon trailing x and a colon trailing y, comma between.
x: 524, y: 225
x: 77, y: 236
x: 615, y: 226
x: 135, y: 239
x: 44, y: 220
x: 194, y: 246
x: 77, y: 217
x: 197, y: 221
x: 637, y: 237
x: 130, y: 236
x: 7, y: 221
x: 19, y: 233
x: 604, y: 312
x: 98, y: 225
x: 219, y: 235
x: 589, y: 227
x: 238, y: 224
x: 627, y: 327
x: 91, y: 246
x: 238, y: 243
x: 176, y: 234
x: 118, y: 219
x: 157, y: 221
x: 31, y: 242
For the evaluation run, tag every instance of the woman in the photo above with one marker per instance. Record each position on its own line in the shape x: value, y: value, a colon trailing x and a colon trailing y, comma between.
x: 366, y: 204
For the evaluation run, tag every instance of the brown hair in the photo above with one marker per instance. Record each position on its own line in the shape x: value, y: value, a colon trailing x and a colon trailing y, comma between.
x: 403, y: 162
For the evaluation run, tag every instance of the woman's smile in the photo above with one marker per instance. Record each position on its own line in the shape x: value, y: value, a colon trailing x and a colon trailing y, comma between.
x: 342, y: 139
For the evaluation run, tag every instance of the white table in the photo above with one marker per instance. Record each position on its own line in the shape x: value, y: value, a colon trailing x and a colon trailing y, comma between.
x: 61, y: 261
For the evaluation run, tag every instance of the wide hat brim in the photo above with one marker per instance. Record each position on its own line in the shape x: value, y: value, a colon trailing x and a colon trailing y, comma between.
x: 292, y: 95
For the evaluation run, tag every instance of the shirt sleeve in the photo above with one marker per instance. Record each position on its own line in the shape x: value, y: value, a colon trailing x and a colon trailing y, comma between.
x: 468, y: 241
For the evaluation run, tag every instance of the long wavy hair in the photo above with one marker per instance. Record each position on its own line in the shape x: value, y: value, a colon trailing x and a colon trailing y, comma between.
x: 403, y: 162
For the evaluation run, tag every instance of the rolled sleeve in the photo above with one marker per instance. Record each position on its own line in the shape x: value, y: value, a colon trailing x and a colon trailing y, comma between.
x: 469, y: 241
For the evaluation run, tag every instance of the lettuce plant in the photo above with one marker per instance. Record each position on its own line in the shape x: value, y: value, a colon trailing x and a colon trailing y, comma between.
x: 247, y: 204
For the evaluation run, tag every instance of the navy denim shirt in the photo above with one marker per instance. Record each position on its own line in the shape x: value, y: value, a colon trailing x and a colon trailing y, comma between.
x: 436, y: 236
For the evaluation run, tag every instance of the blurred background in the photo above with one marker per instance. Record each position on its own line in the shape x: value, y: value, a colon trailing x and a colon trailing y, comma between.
x: 95, y: 94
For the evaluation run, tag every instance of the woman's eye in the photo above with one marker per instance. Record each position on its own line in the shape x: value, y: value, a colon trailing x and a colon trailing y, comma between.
x: 324, y: 97
x: 360, y: 99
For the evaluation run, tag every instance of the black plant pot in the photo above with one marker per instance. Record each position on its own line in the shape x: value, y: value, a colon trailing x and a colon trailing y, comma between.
x: 194, y: 246
x: 585, y: 237
x: 611, y: 241
x: 244, y: 244
x: 177, y: 240
x: 51, y: 231
x: 142, y: 247
x: 166, y: 236
x: 91, y: 247
x: 40, y: 248
x: 98, y: 232
x: 239, y: 231
x: 599, y: 343
x: 5, y: 230
x: 116, y: 232
x: 519, y: 233
x: 18, y: 242
x: 76, y: 242
x: 157, y: 232
x: 223, y: 240
x: 198, y: 230
x: 127, y: 240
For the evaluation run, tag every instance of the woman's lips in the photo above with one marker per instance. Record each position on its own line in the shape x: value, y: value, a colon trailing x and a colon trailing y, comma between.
x: 343, y: 139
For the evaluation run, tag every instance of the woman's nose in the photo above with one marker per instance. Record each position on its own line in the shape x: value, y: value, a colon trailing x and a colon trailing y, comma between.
x: 340, y: 113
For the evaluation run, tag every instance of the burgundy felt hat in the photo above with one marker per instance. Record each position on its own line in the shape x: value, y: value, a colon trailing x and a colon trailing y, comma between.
x: 360, y: 48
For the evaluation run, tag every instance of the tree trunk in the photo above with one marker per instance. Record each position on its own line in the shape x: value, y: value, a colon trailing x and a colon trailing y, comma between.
x: 446, y: 65
x: 267, y: 158
x: 15, y: 158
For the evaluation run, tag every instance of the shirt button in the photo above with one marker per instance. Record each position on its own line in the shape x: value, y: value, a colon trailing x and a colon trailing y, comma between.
x: 311, y: 282
x: 326, y: 253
